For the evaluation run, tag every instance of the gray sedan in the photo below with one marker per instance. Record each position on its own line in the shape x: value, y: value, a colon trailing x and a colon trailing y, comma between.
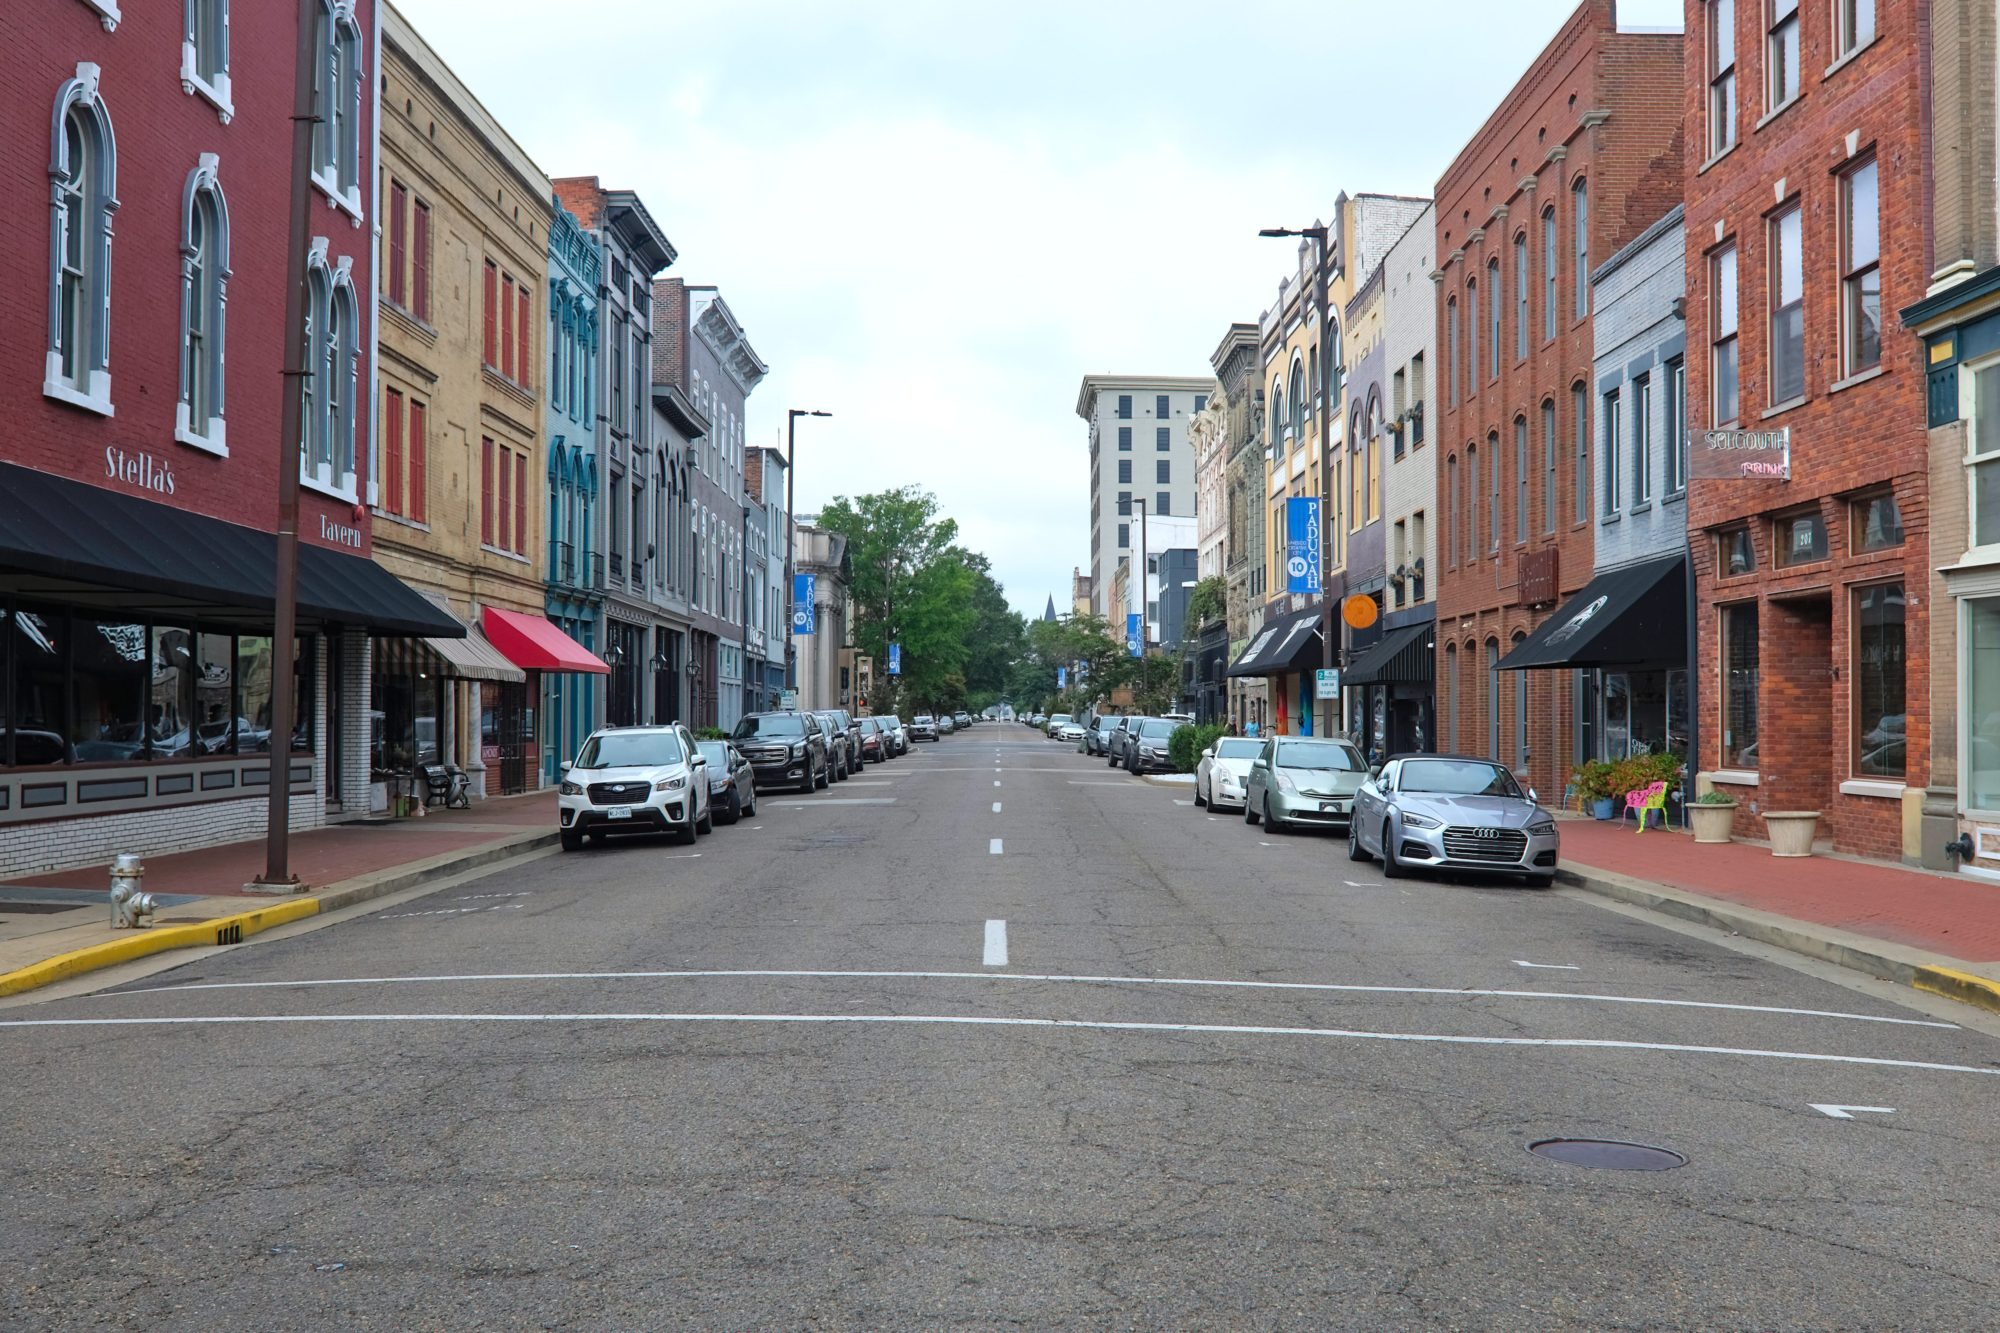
x: 1452, y: 813
x: 1298, y: 780
x: 732, y: 783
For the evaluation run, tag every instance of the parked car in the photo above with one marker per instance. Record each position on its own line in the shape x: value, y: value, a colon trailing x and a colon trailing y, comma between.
x: 634, y: 780
x: 1220, y: 779
x: 899, y: 736
x: 923, y: 727
x: 1146, y: 746
x: 1054, y: 725
x: 945, y: 725
x: 1071, y: 732
x: 786, y: 749
x: 1452, y: 812
x: 1097, y: 737
x: 962, y: 718
x: 874, y: 746
x: 732, y: 782
x: 1303, y: 780
x: 1114, y: 748
x: 846, y: 728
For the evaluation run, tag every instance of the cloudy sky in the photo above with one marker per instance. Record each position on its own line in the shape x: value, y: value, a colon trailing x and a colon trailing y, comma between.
x: 934, y: 218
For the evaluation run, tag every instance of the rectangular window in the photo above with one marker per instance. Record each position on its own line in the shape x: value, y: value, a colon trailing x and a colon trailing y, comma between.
x: 1860, y: 270
x: 490, y: 340
x: 1472, y: 337
x: 419, y: 443
x: 485, y: 491
x: 392, y: 452
x: 1735, y: 552
x: 1471, y: 505
x: 1124, y: 407
x: 1451, y: 513
x: 520, y: 546
x: 1875, y: 523
x: 1739, y: 686
x: 1549, y: 466
x: 1579, y: 407
x: 1799, y: 539
x: 1417, y: 556
x: 1983, y: 454
x: 1163, y: 503
x: 1493, y: 457
x: 1161, y: 408
x: 1416, y: 400
x: 1721, y: 75
x: 503, y: 509
x: 1124, y: 503
x: 1642, y: 440
x: 1677, y: 440
x: 1374, y: 479
x: 1163, y: 438
x: 1456, y: 373
x: 1579, y: 223
x: 1521, y: 474
x: 1124, y: 536
x: 399, y: 210
x: 1549, y: 266
x: 1781, y: 53
x: 1722, y: 337
x: 1880, y: 721
x: 618, y: 373
x: 1124, y: 439
x: 1124, y: 472
x: 521, y: 331
x: 1853, y: 25
x: 1493, y: 318
x: 1613, y: 445
x: 1980, y: 717
x: 420, y: 262
x: 507, y: 325
x: 1521, y: 296
x: 1163, y: 471
x: 1788, y: 308
x: 1399, y: 559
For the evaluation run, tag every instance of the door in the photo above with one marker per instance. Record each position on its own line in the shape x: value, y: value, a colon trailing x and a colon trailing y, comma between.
x: 504, y: 744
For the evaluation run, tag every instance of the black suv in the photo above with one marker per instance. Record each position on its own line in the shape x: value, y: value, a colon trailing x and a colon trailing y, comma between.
x: 784, y: 749
x: 843, y: 741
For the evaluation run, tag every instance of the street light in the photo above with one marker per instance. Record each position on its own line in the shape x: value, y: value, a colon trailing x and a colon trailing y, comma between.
x: 1322, y: 391
x: 792, y: 416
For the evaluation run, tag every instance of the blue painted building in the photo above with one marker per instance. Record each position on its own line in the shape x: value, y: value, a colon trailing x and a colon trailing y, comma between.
x: 572, y: 704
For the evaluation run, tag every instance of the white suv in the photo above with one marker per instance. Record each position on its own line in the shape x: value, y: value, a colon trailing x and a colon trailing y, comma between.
x: 634, y: 780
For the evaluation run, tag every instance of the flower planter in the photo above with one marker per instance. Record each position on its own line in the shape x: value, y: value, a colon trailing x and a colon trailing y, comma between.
x: 1603, y: 807
x: 1791, y: 831
x: 1712, y: 823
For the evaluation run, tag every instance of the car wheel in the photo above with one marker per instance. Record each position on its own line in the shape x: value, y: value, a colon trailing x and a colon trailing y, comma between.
x: 705, y: 822
x: 1271, y: 821
x: 820, y: 782
x: 1392, y: 868
x: 571, y: 840
x: 1200, y: 801
x: 750, y: 806
x: 732, y: 811
x: 1249, y: 815
x: 1355, y: 851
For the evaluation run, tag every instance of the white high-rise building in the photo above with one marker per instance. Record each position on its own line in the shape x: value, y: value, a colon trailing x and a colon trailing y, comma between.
x: 1140, y: 460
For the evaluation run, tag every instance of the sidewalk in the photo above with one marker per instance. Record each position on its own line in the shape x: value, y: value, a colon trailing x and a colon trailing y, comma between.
x: 1936, y: 932
x: 58, y: 925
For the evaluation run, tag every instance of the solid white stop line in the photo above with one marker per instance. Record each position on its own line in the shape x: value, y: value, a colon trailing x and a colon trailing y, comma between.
x: 996, y: 944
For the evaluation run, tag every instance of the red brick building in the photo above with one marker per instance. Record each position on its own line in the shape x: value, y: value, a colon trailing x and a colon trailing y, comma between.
x: 145, y: 192
x: 1583, y: 154
x: 1806, y: 219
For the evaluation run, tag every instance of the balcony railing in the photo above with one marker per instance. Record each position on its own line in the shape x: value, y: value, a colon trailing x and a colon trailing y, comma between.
x: 562, y: 563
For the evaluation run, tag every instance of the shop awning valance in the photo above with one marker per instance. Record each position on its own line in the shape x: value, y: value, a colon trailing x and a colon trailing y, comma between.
x: 1290, y: 643
x: 1406, y: 655
x: 65, y: 540
x: 473, y: 657
x: 534, y: 644
x: 1635, y: 616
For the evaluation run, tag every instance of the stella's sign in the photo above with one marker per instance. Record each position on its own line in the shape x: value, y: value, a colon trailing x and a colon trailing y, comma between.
x: 1743, y: 455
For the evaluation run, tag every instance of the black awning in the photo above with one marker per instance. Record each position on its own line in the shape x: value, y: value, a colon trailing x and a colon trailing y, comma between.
x: 1406, y: 655
x: 1285, y: 644
x: 1623, y: 617
x: 65, y: 539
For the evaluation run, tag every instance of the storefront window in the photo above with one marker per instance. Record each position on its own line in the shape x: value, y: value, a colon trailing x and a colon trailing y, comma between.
x: 1737, y: 555
x: 107, y: 692
x: 1617, y: 715
x: 1801, y: 539
x: 170, y: 711
x: 38, y: 641
x: 1982, y: 704
x: 1876, y: 523
x: 215, y: 727
x: 253, y: 682
x: 1879, y: 718
x: 1739, y: 682
x: 1983, y: 453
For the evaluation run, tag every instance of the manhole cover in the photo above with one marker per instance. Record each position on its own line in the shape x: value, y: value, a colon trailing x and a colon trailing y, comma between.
x: 1608, y: 1154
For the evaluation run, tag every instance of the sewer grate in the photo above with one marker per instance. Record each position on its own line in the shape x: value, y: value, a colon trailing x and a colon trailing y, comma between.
x: 1607, y: 1154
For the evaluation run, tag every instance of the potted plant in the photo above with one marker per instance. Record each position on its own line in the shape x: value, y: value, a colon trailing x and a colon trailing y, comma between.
x: 1593, y: 782
x: 1713, y: 816
x: 1791, y: 831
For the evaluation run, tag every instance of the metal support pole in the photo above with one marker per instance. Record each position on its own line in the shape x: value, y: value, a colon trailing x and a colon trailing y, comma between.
x: 792, y: 416
x: 1321, y: 392
x: 277, y: 874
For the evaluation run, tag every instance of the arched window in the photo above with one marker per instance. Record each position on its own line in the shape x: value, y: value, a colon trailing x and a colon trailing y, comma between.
x: 198, y: 420
x: 1455, y: 371
x: 1298, y: 393
x: 1318, y: 385
x: 333, y: 328
x: 336, y: 139
x: 1579, y: 222
x: 1451, y: 515
x: 1521, y: 680
x: 1522, y: 284
x: 1493, y: 495
x: 1374, y: 455
x: 83, y: 179
x: 1549, y: 272
x: 1521, y: 474
x: 1493, y: 750
x: 1472, y: 337
x: 1471, y: 503
x: 1493, y: 317
x: 1451, y: 696
x: 1277, y: 411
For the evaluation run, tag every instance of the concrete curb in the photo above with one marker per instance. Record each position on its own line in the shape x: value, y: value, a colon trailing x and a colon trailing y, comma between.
x: 1877, y: 958
x: 235, y: 927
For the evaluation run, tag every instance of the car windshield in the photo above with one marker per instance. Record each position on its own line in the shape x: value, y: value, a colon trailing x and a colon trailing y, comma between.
x: 1060, y: 717
x: 630, y: 749
x: 870, y: 725
x: 769, y: 725
x: 1319, y: 754
x: 1156, y: 729
x: 1236, y: 747
x: 923, y: 718
x: 716, y: 752
x: 1457, y: 777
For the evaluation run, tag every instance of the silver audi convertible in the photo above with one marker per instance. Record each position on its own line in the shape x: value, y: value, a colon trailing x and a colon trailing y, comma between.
x: 1452, y: 812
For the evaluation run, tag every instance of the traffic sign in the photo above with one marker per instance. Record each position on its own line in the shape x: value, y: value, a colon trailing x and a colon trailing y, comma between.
x: 1326, y: 683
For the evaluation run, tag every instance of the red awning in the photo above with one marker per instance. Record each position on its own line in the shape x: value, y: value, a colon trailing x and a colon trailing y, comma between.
x: 533, y: 644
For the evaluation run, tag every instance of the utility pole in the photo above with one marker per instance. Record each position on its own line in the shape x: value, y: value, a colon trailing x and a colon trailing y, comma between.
x: 277, y: 876
x: 792, y: 416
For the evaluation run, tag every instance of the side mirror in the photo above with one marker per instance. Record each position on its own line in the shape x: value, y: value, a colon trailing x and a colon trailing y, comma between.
x: 700, y: 762
x: 562, y: 767
x: 1532, y: 800
x: 1209, y: 753
x: 1374, y: 770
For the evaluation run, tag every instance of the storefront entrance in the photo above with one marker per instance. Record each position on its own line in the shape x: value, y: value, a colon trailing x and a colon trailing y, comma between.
x: 507, y: 733
x: 1637, y: 712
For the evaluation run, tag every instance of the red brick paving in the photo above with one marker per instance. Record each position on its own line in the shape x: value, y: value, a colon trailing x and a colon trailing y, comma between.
x: 1947, y: 914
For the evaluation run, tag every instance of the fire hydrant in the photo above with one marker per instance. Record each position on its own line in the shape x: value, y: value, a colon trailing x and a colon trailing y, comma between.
x: 130, y: 908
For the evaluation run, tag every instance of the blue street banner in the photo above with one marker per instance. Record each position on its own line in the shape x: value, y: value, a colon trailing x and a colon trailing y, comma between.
x: 1132, y: 634
x: 805, y: 616
x: 1302, y: 545
x: 895, y: 659
x: 1062, y: 678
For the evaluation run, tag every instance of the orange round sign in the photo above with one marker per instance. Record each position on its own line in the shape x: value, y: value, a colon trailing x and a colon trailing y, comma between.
x: 1358, y: 611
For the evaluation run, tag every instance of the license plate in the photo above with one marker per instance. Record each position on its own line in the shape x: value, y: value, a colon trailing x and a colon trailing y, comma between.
x: 1334, y: 807
x: 619, y: 812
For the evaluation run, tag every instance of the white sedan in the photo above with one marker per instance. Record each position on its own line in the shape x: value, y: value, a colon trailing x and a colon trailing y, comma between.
x: 1069, y: 731
x: 1225, y: 769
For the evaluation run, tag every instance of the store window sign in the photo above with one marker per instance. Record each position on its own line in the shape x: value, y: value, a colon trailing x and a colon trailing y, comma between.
x: 1743, y: 455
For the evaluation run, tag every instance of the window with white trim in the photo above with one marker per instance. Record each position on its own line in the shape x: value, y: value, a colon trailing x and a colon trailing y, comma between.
x: 1721, y: 76
x: 198, y: 417
x: 1982, y: 449
x: 1853, y: 26
x: 1724, y: 406
x: 1781, y: 53
x: 333, y: 356
x: 336, y: 137
x: 107, y: 13
x: 83, y: 195
x: 1860, y: 270
x: 205, y: 53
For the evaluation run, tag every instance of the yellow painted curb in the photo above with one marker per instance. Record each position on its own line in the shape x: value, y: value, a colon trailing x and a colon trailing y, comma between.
x: 1965, y: 987
x: 231, y: 929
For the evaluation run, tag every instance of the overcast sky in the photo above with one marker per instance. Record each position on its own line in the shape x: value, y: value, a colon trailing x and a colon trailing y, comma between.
x: 934, y: 218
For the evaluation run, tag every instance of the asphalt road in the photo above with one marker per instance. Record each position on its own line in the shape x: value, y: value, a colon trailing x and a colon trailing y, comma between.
x: 1222, y: 1079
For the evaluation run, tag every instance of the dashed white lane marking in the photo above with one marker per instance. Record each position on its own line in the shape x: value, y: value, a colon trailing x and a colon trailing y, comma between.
x: 993, y: 847
x: 1183, y: 802
x: 475, y: 897
x: 1102, y: 782
x: 449, y: 911
x: 996, y: 782
x: 996, y: 807
x: 1837, y: 1111
x: 1548, y: 967
x: 996, y: 944
x: 969, y: 1020
x: 1079, y: 979
x: 835, y: 800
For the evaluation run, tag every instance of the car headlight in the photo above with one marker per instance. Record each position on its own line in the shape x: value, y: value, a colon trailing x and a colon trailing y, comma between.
x: 1284, y: 783
x: 1411, y: 820
x: 1545, y: 828
x: 797, y: 751
x: 670, y: 784
x: 570, y: 789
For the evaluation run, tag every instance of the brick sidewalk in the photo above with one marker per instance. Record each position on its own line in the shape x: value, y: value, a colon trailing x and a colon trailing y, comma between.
x: 1952, y: 915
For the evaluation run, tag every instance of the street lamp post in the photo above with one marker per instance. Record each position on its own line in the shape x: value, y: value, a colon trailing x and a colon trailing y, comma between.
x: 792, y: 416
x: 1322, y: 391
